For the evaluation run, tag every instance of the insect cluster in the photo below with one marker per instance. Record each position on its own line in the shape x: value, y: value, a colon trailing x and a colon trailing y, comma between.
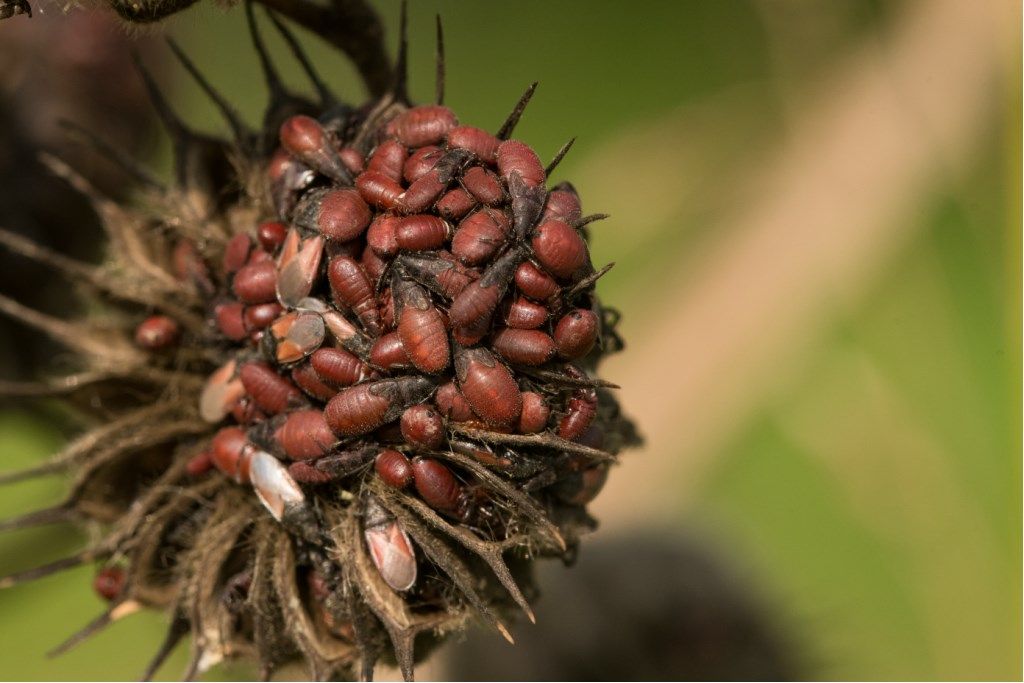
x: 380, y: 354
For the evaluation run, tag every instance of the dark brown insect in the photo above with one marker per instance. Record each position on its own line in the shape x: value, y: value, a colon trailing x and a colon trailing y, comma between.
x: 421, y: 161
x: 488, y: 386
x: 517, y: 157
x: 306, y: 140
x: 157, y: 332
x: 389, y: 159
x: 338, y: 367
x: 475, y: 140
x: 483, y: 185
x: 423, y: 427
x: 304, y: 435
x: 455, y: 204
x: 582, y: 487
x: 421, y: 328
x: 524, y: 314
x: 477, y: 301
x: 271, y: 392
x: 271, y: 234
x: 256, y: 283
x: 338, y: 214
x: 351, y: 289
x: 559, y: 248
x: 393, y: 468
x: 388, y: 353
x: 439, y: 273
x: 422, y: 232
x: 379, y: 190
x: 365, y: 407
x: 479, y: 236
x: 525, y: 347
x: 109, y: 582
x: 534, y: 417
x: 576, y: 333
x: 535, y: 283
x: 436, y: 485
x: 423, y: 125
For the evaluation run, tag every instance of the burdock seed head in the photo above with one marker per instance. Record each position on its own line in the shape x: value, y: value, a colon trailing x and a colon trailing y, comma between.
x: 346, y: 380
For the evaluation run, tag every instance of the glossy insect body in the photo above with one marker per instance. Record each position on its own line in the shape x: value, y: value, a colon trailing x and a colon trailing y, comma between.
x: 346, y: 334
x: 365, y: 407
x: 580, y: 411
x: 295, y: 335
x: 304, y: 435
x: 390, y: 548
x: 288, y: 179
x: 534, y: 417
x: 422, y: 426
x: 271, y: 392
x: 261, y: 316
x: 307, y: 379
x: 452, y: 404
x: 576, y: 333
x: 475, y: 140
x: 109, y: 582
x: 393, y: 468
x: 442, y: 275
x: 488, y: 386
x: 379, y: 190
x: 436, y: 484
x: 298, y: 267
x: 256, y: 283
x: 479, y: 236
x: 381, y: 235
x: 525, y: 347
x: 524, y: 314
x: 389, y: 159
x: 535, y: 283
x: 338, y: 214
x: 422, y: 232
x: 423, y: 125
x: 388, y: 352
x: 517, y: 157
x: 306, y: 140
x: 563, y: 204
x: 421, y: 328
x: 455, y: 204
x: 421, y: 161
x: 157, y: 332
x: 339, y: 367
x: 236, y: 253
x: 483, y: 185
x: 559, y: 248
x: 231, y: 453
x: 477, y: 302
x: 351, y: 289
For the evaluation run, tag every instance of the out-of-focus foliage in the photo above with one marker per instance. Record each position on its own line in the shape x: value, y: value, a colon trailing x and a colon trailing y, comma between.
x: 873, y: 496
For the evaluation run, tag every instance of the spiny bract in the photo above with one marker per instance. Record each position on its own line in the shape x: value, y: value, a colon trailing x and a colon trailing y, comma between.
x: 344, y: 367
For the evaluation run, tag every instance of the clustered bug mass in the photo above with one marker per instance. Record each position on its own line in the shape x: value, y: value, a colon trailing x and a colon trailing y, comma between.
x: 384, y: 349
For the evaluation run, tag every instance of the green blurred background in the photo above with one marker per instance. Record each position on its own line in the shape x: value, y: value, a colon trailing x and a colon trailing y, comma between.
x: 816, y: 221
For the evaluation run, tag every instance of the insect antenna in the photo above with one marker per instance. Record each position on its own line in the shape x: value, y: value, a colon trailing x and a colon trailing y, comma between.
x: 440, y: 68
x: 558, y: 157
x: 513, y: 118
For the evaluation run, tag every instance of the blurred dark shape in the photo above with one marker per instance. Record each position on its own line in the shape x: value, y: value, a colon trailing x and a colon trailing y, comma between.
x: 646, y: 607
x: 56, y: 66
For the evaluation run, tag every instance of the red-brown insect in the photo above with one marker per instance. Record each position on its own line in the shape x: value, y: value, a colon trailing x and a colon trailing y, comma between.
x: 421, y: 161
x: 236, y: 252
x: 517, y: 157
x: 388, y: 353
x: 455, y: 204
x: 346, y: 334
x: 423, y: 125
x: 479, y: 236
x: 436, y: 485
x: 559, y: 248
x: 338, y: 214
x: 288, y: 179
x: 307, y: 379
x: 423, y: 191
x: 353, y: 160
x: 304, y: 435
x: 261, y: 315
x: 524, y: 314
x: 297, y: 267
x: 563, y: 204
x: 231, y: 452
x: 306, y: 140
x: 389, y: 159
x: 390, y: 548
x: 351, y: 289
x: 339, y: 367
x: 190, y: 267
x: 580, y: 410
x: 423, y: 426
x: 488, y: 386
x: 576, y: 333
x: 230, y: 318
x: 535, y: 283
x: 379, y: 189
x: 271, y: 392
x: 582, y: 487
x: 483, y: 185
x: 475, y: 140
x: 422, y: 232
x: 199, y: 464
x: 109, y: 582
x: 477, y: 301
x: 452, y: 404
x: 256, y: 283
x: 534, y: 417
x: 271, y: 234
x: 526, y: 347
x: 441, y: 273
x: 157, y: 332
x: 393, y: 468
x: 380, y: 236
x: 365, y: 407
x: 421, y: 328
x: 373, y: 264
